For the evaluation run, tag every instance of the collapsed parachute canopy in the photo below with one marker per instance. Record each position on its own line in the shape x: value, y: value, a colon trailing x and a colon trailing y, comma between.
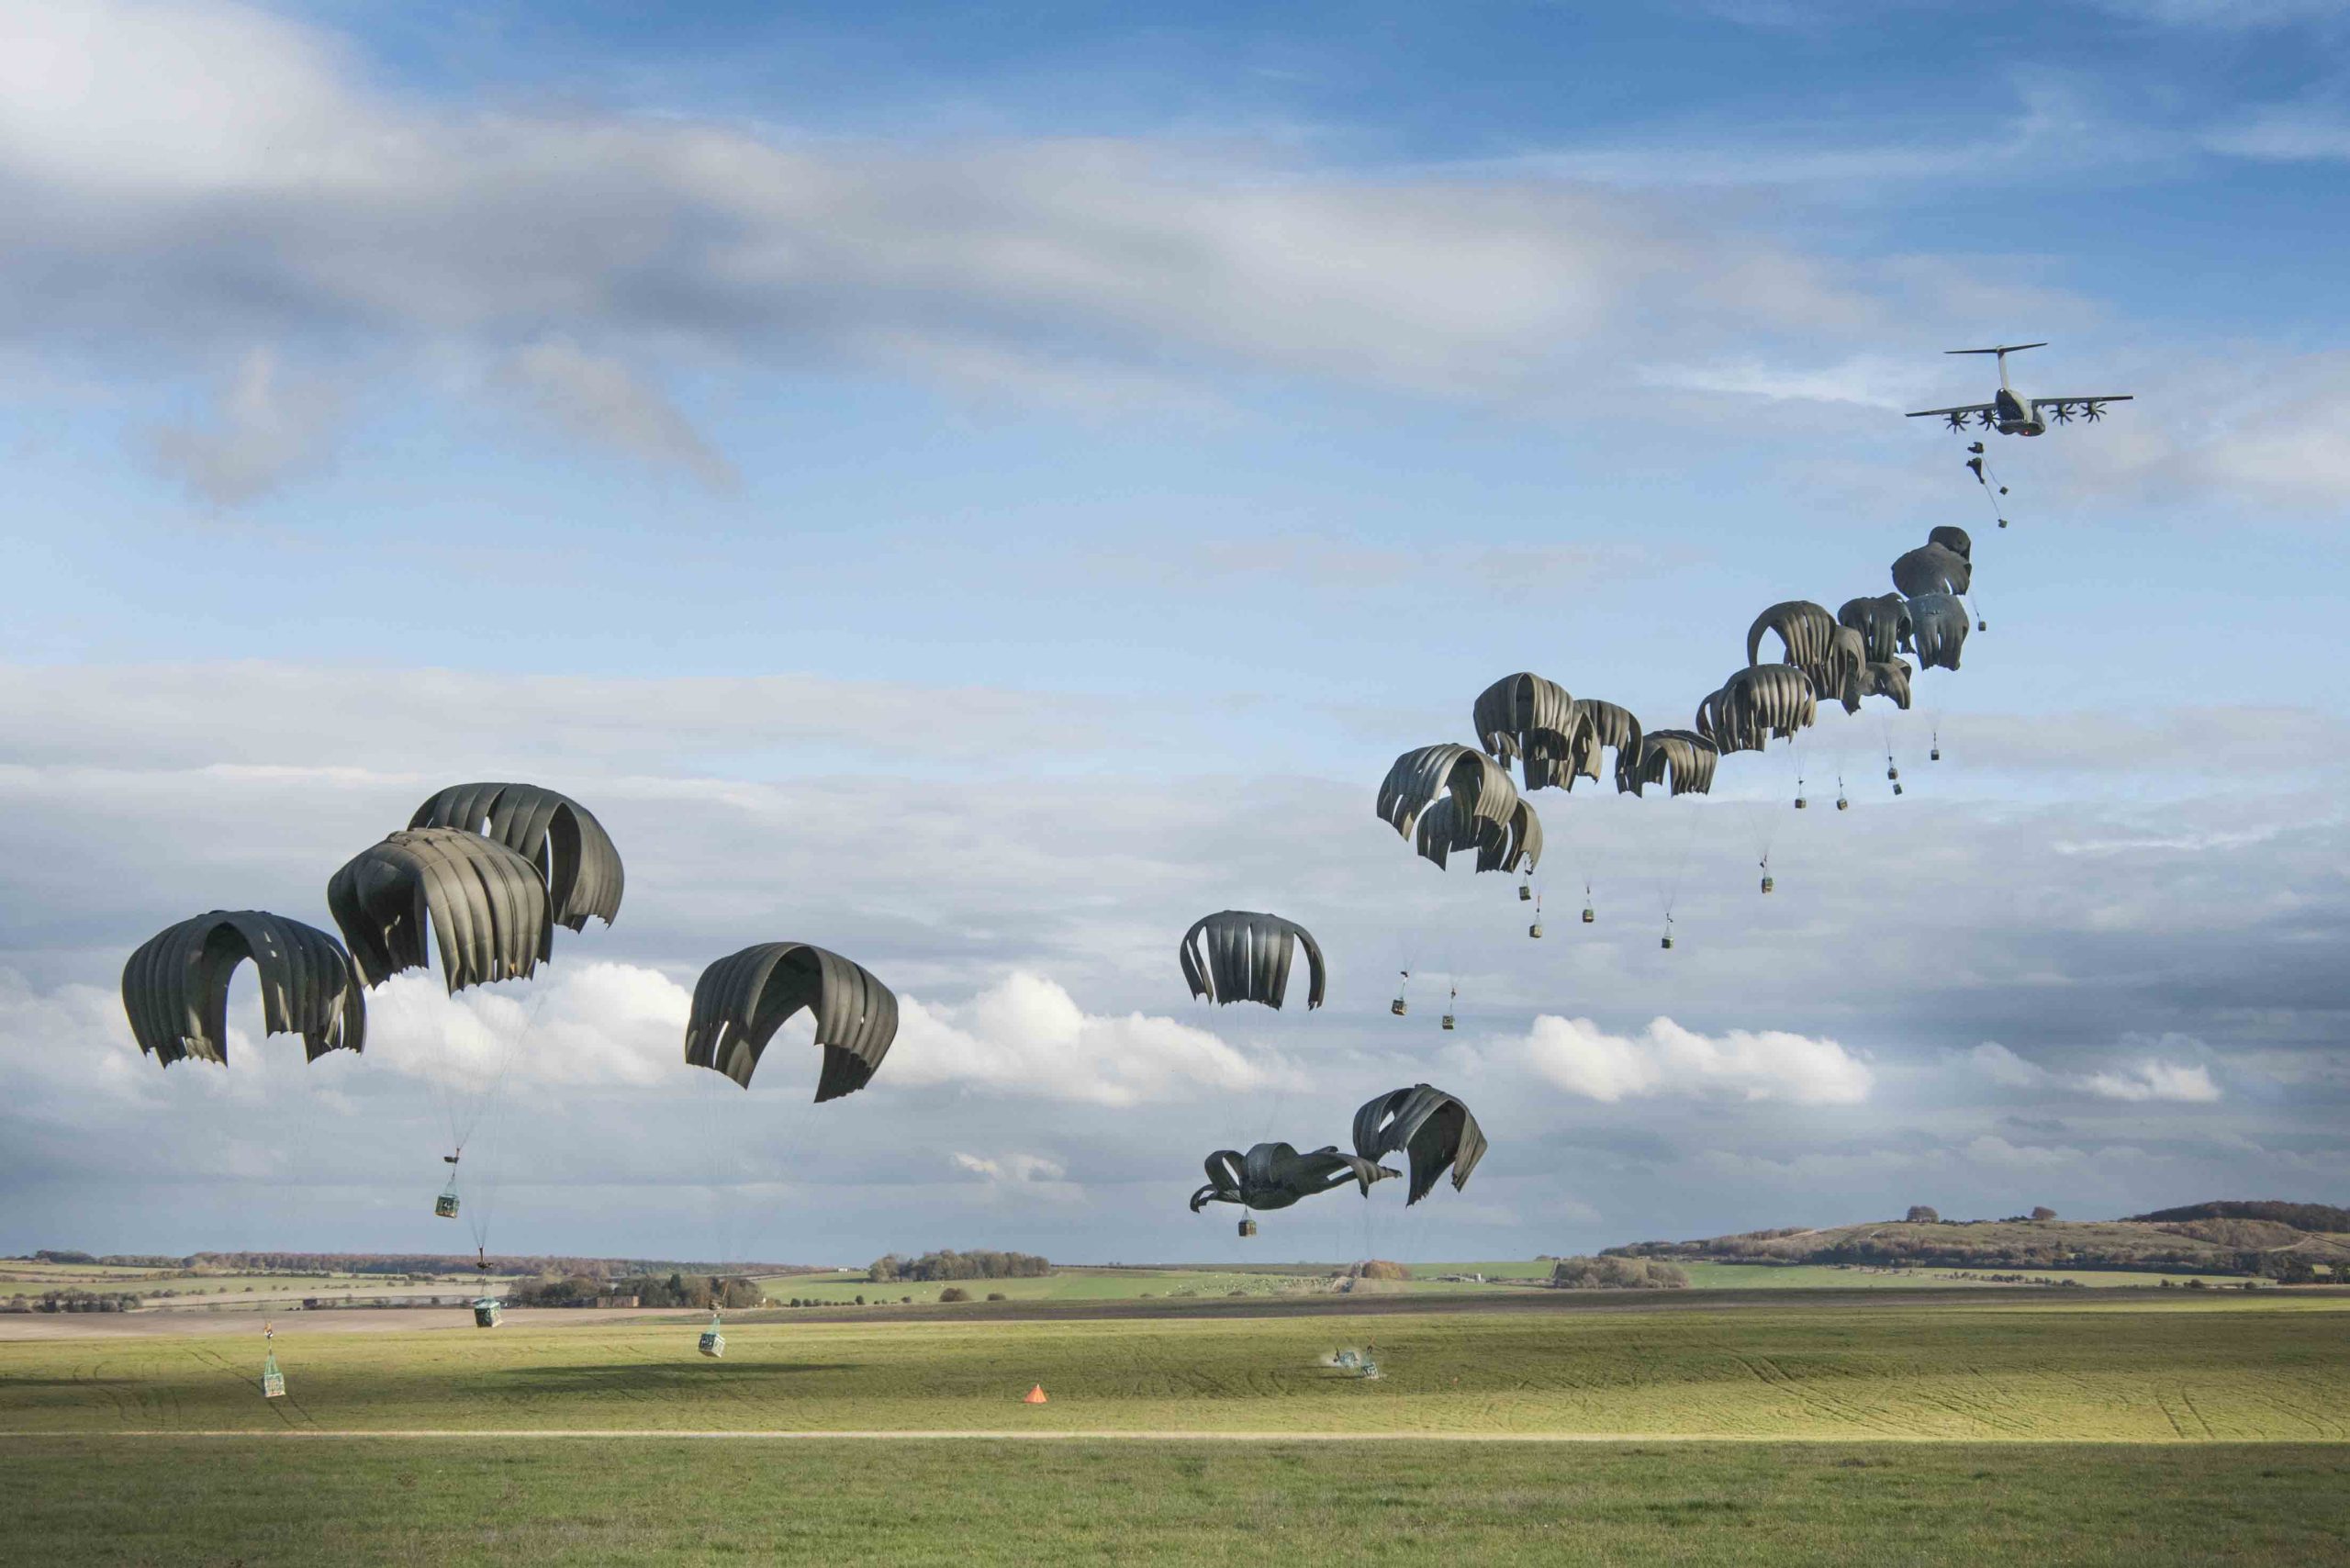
x: 175, y: 987
x: 487, y: 905
x: 1478, y: 808
x: 1953, y: 539
x: 1525, y: 718
x: 1931, y: 568
x: 1274, y: 1176
x: 554, y: 832
x: 1681, y: 756
x: 1882, y: 623
x: 741, y: 1000
x: 1434, y: 1129
x: 1240, y: 956
x: 1938, y: 624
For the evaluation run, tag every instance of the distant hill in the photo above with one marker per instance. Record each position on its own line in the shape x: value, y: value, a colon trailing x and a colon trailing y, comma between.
x: 2286, y: 1241
x: 2300, y: 1217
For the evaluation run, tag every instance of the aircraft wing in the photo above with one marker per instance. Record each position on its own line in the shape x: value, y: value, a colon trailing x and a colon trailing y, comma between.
x: 2099, y: 398
x: 1964, y: 408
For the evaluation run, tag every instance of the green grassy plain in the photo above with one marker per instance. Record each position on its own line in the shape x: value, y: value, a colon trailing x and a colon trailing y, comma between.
x: 2075, y: 1366
x: 377, y: 1503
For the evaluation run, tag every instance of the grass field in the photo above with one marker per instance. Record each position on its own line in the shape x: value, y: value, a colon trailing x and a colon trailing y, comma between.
x: 1818, y: 1276
x: 2076, y: 1367
x: 2076, y: 1427
x: 380, y: 1501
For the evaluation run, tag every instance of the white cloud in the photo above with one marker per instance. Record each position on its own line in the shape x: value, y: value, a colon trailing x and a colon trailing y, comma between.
x: 1667, y: 1059
x: 599, y: 400
x: 2157, y: 1080
x: 261, y: 431
x: 2006, y: 1069
x: 582, y: 1023
x: 1027, y: 1037
x: 1010, y: 1167
x: 180, y: 171
x: 2149, y: 1078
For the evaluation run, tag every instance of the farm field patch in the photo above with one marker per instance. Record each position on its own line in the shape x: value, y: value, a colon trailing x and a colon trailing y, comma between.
x: 2038, y: 1368
x: 370, y: 1502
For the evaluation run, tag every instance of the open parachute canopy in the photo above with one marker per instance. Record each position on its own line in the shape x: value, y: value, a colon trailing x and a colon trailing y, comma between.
x: 1431, y: 1126
x: 1447, y: 798
x: 742, y: 999
x: 175, y: 987
x: 554, y: 832
x: 1952, y: 538
x: 1938, y: 628
x: 1241, y: 956
x: 1882, y: 621
x: 1931, y: 568
x: 1274, y: 1176
x: 1888, y: 678
x: 1533, y: 721
x: 1757, y: 704
x: 488, y: 906
x: 1684, y: 758
x: 1601, y: 726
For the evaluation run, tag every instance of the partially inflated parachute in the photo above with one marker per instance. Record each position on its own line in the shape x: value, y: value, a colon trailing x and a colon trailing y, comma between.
x: 741, y: 1000
x: 175, y: 987
x: 1431, y: 1126
x: 1241, y: 956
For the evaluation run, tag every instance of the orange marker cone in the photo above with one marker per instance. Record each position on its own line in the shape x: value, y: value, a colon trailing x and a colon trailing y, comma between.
x: 1034, y: 1396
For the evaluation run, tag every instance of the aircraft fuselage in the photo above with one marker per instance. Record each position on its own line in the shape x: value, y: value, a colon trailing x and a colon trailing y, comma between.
x: 2013, y: 415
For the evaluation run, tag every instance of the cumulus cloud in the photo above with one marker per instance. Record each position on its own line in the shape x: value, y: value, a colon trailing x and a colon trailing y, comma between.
x: 2156, y: 1081
x: 1027, y: 1037
x: 1667, y: 1059
x: 263, y: 428
x: 599, y: 400
x: 582, y: 1023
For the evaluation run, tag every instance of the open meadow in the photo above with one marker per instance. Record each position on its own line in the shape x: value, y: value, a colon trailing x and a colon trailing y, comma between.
x: 2116, y: 1428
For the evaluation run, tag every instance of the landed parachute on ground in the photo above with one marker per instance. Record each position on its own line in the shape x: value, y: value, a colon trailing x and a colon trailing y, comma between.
x: 1239, y: 955
x: 487, y: 906
x: 742, y: 999
x: 176, y: 985
x: 1275, y: 1175
x: 1434, y: 1128
x: 551, y: 830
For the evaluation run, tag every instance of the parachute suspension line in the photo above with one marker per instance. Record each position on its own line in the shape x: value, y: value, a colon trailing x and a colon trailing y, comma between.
x: 1671, y: 888
x: 1979, y: 465
x: 1795, y: 760
x: 485, y: 1111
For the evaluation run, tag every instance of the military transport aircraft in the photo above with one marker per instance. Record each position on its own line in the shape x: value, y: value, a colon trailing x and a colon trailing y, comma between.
x: 2012, y: 415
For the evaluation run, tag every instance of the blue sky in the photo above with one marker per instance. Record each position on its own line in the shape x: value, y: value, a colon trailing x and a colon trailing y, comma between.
x: 979, y: 488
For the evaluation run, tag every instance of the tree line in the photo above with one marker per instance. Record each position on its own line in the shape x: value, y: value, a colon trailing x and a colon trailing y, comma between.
x: 951, y: 1265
